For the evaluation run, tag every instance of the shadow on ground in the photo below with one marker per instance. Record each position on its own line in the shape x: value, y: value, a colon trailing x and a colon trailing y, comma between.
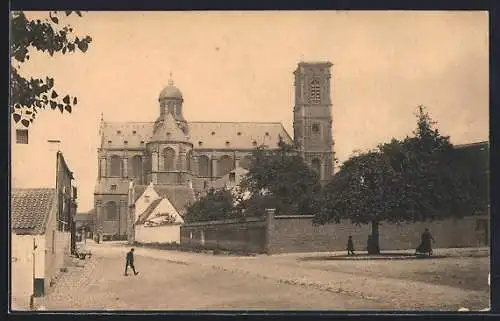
x: 382, y: 256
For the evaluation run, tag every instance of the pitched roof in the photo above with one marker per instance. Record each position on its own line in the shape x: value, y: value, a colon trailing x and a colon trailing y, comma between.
x: 115, y: 134
x: 225, y: 181
x: 30, y: 209
x: 138, y: 191
x: 239, y: 135
x: 179, y: 195
x: 145, y: 215
x: 167, y: 129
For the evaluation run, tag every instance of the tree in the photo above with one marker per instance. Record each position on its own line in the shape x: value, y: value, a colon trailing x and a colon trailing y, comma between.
x: 216, y: 205
x: 28, y: 96
x: 280, y: 178
x: 365, y: 190
x: 418, y: 178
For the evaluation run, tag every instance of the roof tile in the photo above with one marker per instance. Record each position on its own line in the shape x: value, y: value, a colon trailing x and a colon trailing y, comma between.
x: 240, y: 135
x: 30, y: 209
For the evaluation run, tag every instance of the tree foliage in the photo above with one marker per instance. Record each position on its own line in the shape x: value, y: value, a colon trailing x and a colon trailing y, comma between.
x: 419, y: 178
x: 280, y: 178
x: 216, y: 205
x: 50, y: 36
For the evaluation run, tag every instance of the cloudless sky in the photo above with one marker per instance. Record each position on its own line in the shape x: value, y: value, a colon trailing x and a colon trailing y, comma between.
x: 237, y: 66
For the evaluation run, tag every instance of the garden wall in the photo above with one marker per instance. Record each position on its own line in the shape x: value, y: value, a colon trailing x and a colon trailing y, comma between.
x: 297, y: 233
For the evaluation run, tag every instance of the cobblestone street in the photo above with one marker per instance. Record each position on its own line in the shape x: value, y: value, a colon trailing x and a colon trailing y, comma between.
x: 170, y: 280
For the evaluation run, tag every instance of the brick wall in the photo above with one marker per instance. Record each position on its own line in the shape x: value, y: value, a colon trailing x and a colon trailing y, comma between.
x: 297, y: 233
x: 231, y: 235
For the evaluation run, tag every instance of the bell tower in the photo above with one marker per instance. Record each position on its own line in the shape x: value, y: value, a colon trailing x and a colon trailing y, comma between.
x: 312, y: 117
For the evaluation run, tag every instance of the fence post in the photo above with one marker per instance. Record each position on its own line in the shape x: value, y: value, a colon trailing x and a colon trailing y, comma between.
x: 269, y: 223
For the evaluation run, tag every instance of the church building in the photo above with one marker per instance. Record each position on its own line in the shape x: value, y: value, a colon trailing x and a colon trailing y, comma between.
x: 183, y: 158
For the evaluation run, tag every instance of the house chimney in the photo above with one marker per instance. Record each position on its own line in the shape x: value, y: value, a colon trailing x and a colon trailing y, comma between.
x: 54, y: 145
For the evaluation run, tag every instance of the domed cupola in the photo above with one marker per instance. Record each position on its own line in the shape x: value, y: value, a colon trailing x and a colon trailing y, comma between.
x: 170, y: 92
x: 171, y: 101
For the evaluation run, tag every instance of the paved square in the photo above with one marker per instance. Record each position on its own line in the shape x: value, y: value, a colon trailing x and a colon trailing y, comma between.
x: 170, y: 280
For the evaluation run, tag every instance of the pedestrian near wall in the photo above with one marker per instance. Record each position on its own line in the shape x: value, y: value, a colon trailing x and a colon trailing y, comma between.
x: 350, y: 246
x: 130, y: 262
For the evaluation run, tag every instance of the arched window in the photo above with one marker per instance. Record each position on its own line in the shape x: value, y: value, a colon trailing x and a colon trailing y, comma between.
x: 189, y: 164
x: 136, y: 166
x: 168, y: 159
x: 225, y: 165
x: 315, y: 96
x: 316, y: 129
x: 245, y: 162
x: 116, y: 166
x: 111, y: 211
x: 204, y: 166
x: 316, y: 166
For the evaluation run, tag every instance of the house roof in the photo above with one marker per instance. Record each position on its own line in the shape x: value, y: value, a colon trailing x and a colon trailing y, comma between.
x: 145, y: 215
x: 212, y: 135
x: 224, y: 180
x: 180, y: 196
x: 30, y: 209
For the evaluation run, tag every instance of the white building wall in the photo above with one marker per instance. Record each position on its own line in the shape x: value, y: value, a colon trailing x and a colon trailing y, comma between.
x: 24, y: 174
x: 163, y: 233
x: 57, y: 249
x: 22, y: 267
x: 158, y: 234
x: 142, y: 204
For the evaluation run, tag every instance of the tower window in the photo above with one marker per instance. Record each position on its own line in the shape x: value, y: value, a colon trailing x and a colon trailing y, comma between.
x: 109, y: 142
x: 21, y: 136
x: 213, y: 133
x: 315, y: 96
x: 168, y: 134
x: 142, y: 142
x: 267, y: 134
x: 227, y: 143
x: 254, y: 143
x: 113, y: 187
x: 238, y: 133
x: 134, y: 132
x: 118, y: 131
x: 125, y: 142
x: 200, y: 143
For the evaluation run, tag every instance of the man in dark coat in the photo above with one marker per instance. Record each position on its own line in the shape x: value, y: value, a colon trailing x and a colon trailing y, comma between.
x: 130, y: 262
x: 426, y: 246
x: 350, y: 246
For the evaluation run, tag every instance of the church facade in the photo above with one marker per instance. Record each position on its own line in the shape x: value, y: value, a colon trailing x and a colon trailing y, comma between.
x: 183, y: 158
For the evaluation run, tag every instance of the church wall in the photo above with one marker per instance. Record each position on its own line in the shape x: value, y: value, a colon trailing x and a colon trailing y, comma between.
x: 214, y: 155
x: 103, y: 224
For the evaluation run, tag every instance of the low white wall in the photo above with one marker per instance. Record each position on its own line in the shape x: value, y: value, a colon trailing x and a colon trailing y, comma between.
x: 158, y: 234
x: 22, y: 268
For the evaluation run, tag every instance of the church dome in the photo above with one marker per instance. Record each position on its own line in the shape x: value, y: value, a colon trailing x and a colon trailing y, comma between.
x: 170, y: 91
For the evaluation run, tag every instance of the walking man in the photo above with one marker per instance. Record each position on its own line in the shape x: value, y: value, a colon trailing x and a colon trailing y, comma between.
x: 350, y: 246
x: 130, y: 262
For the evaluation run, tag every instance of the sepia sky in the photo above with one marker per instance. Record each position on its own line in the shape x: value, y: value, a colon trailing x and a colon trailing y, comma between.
x: 237, y: 66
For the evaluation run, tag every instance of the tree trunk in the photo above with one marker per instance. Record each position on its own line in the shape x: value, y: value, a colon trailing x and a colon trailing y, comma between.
x: 374, y: 248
